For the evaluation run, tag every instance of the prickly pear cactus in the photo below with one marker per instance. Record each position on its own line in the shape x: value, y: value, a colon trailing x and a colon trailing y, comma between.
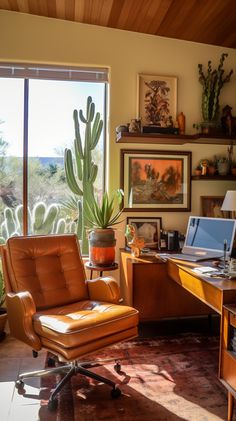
x: 81, y: 172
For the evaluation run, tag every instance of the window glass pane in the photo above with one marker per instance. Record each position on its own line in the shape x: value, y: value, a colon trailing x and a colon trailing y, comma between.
x: 11, y: 152
x: 51, y: 130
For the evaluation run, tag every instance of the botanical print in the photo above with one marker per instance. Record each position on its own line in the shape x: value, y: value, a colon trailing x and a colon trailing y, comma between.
x: 157, y: 100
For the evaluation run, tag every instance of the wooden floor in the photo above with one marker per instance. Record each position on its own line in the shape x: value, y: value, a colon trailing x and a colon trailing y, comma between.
x: 15, y: 357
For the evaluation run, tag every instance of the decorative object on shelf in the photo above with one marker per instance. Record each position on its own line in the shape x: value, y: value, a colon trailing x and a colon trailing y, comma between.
x: 211, y: 207
x: 155, y: 180
x: 122, y: 129
x: 135, y: 242
x: 157, y: 100
x: 204, y: 163
x: 223, y: 165
x: 198, y: 170
x: 181, y: 123
x: 228, y: 122
x: 135, y: 125
x: 102, y: 216
x: 148, y: 228
x: 212, y: 167
x: 161, y: 130
x: 212, y: 82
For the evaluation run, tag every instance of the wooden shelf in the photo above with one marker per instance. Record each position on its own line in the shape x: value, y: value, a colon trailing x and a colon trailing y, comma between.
x: 172, y: 139
x: 212, y: 177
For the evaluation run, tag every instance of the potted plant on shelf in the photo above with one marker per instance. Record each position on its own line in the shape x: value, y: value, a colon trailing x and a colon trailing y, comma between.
x: 223, y: 165
x: 198, y: 170
x: 212, y: 82
x: 102, y: 216
x: 212, y: 167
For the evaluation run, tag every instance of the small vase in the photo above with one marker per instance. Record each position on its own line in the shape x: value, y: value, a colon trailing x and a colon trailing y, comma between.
x: 223, y: 168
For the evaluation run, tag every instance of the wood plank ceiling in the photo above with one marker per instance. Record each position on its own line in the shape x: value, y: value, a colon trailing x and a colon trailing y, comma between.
x: 204, y: 21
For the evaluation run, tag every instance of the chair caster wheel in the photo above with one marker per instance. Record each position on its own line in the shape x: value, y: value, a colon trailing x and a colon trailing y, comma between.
x: 52, y: 405
x: 19, y: 384
x: 117, y: 367
x: 51, y: 362
x: 115, y: 393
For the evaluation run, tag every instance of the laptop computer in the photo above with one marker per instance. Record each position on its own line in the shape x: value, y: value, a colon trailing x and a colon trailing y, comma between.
x: 207, y: 238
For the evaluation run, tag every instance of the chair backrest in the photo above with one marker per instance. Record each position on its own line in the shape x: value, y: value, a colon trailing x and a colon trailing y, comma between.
x: 49, y: 267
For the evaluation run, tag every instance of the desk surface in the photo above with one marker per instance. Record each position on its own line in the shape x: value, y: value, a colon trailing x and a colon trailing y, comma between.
x: 213, y: 291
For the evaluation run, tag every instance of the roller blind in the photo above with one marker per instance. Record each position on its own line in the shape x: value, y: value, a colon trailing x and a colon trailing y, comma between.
x: 35, y: 71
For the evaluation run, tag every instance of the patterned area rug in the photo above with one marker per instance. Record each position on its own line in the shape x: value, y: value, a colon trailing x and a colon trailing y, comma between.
x: 162, y: 379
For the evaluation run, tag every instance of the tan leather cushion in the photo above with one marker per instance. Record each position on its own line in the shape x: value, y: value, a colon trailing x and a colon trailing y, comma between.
x: 49, y: 267
x: 83, y: 322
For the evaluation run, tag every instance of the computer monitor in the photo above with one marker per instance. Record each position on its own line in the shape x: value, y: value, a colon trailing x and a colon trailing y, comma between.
x: 209, y: 236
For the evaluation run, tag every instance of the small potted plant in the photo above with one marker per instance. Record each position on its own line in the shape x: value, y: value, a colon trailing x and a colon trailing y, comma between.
x: 101, y: 214
x: 223, y: 165
x: 198, y: 170
x: 212, y: 82
x: 212, y: 167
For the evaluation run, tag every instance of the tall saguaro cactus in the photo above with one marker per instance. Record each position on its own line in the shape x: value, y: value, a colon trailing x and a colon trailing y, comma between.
x: 81, y: 172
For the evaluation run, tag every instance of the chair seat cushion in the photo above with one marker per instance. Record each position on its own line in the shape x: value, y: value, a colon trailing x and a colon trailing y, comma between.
x: 82, y: 322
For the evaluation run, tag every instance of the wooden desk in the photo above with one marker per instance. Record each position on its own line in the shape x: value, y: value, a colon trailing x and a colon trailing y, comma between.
x: 146, y: 285
x: 215, y: 292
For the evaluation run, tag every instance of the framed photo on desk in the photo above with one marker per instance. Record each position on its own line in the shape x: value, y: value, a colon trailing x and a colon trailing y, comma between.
x: 148, y: 228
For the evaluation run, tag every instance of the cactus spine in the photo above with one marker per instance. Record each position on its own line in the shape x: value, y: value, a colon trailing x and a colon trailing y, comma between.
x: 212, y: 83
x: 81, y: 176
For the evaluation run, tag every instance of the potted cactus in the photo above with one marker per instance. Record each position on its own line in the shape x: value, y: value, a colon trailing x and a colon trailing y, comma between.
x: 212, y: 82
x: 81, y: 172
x: 102, y: 216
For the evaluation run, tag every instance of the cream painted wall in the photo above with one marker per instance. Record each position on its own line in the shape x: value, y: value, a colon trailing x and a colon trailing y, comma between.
x: 28, y: 38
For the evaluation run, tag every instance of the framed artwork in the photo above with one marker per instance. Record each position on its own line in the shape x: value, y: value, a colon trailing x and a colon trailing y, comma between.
x: 148, y: 228
x: 157, y: 100
x: 211, y: 206
x: 155, y: 180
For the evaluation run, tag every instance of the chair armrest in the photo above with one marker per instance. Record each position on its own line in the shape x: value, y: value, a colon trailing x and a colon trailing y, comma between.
x: 20, y: 310
x: 104, y: 289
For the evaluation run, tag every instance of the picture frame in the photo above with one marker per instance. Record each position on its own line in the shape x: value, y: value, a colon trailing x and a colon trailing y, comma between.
x: 157, y: 100
x: 148, y: 228
x: 155, y: 181
x: 211, y: 207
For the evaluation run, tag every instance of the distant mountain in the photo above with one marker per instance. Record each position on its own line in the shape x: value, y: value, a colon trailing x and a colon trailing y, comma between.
x: 47, y: 160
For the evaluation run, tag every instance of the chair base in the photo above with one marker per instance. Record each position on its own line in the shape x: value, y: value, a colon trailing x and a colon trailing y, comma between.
x: 70, y: 370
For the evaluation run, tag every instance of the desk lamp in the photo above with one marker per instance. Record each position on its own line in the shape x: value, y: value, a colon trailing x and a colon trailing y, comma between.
x: 229, y: 203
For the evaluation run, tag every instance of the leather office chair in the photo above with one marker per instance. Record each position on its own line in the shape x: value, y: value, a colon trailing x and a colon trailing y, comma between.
x: 51, y: 305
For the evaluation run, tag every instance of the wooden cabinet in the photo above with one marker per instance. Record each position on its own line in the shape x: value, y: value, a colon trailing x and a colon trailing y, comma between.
x: 145, y: 285
x: 227, y: 367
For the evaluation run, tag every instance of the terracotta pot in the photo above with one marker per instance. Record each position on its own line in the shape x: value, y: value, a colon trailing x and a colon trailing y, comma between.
x: 102, y: 244
x: 198, y: 172
x: 233, y: 171
x: 211, y: 170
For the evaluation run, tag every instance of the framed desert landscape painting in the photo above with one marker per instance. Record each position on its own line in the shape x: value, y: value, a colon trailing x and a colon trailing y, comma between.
x: 156, y: 180
x: 157, y: 100
x: 211, y: 206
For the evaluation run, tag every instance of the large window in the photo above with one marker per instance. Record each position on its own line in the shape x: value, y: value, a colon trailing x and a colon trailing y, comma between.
x: 36, y: 125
